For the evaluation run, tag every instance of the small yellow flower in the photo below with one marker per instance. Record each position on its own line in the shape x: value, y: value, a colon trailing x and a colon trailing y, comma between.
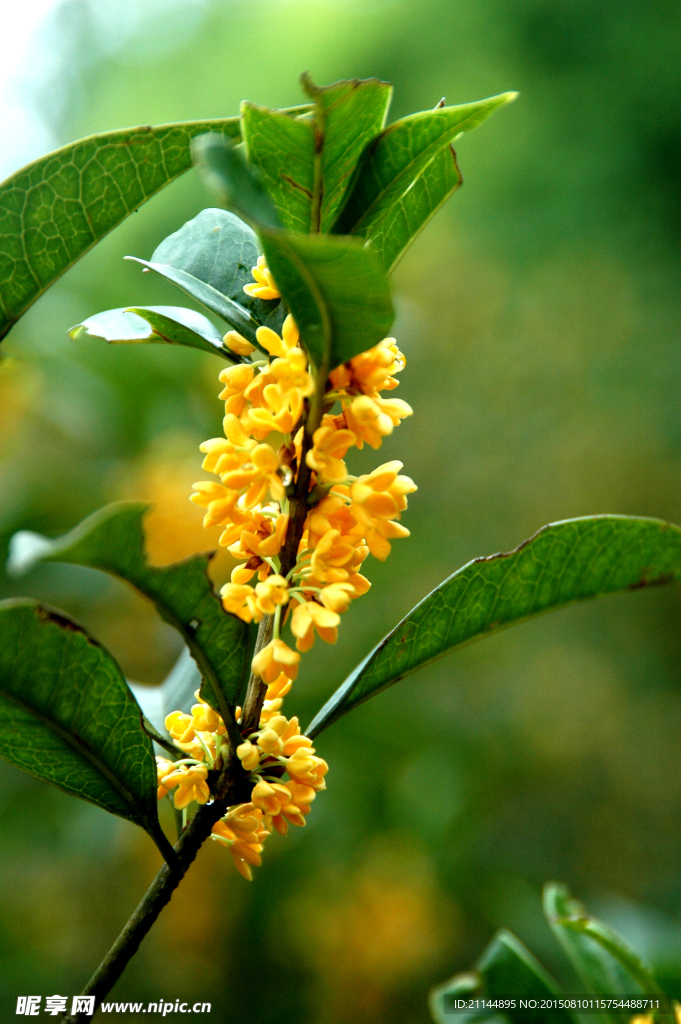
x: 236, y: 343
x: 279, y: 346
x: 273, y: 659
x: 259, y: 475
x: 236, y: 379
x: 372, y: 419
x: 307, y: 769
x: 242, y: 830
x: 371, y: 371
x: 264, y: 287
x: 330, y: 446
x: 248, y: 755
x: 163, y: 768
x: 235, y: 600
x: 336, y: 558
x: 271, y: 592
x: 337, y: 596
x: 218, y: 501
x: 191, y: 784
x: 261, y: 536
x: 310, y: 616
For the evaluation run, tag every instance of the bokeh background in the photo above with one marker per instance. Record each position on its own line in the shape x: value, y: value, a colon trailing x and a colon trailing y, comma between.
x: 539, y: 313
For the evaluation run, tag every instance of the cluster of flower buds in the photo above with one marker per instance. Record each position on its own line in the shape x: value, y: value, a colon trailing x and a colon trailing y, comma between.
x: 349, y: 517
x: 266, y: 394
x: 276, y: 749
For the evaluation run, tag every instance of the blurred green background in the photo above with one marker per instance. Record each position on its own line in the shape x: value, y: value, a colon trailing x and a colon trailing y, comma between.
x: 539, y: 316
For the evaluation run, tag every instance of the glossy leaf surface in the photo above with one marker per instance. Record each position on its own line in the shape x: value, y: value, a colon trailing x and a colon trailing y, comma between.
x: 600, y: 958
x: 55, y: 209
x: 562, y: 563
x: 220, y: 250
x: 68, y: 717
x: 171, y: 325
x: 406, y: 175
x: 307, y: 163
x: 112, y: 540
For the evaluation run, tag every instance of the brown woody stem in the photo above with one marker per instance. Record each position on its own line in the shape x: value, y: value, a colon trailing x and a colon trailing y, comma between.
x: 232, y: 788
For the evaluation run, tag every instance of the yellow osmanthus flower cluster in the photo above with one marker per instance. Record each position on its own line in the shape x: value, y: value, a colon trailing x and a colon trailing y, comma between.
x: 258, y: 463
x: 275, y: 749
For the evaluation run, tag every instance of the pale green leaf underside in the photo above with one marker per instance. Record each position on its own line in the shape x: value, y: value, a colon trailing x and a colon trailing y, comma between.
x: 406, y: 174
x: 563, y: 563
x: 170, y: 325
x: 68, y: 717
x: 112, y: 540
x: 55, y: 209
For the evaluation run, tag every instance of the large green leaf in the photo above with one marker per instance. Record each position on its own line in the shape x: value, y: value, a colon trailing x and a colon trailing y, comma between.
x: 112, y: 540
x: 562, y: 563
x: 406, y: 174
x: 601, y: 959
x: 334, y: 287
x: 55, y: 209
x: 217, y: 249
x: 172, y: 325
x: 68, y: 717
x: 307, y: 163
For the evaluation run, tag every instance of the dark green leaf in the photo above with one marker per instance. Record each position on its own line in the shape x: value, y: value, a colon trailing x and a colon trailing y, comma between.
x: 604, y: 963
x: 507, y: 968
x: 180, y: 685
x: 406, y: 175
x: 306, y: 164
x: 562, y: 563
x: 68, y: 717
x: 236, y: 185
x: 336, y: 292
x: 220, y: 250
x: 334, y: 287
x: 112, y: 540
x: 172, y: 325
x: 55, y: 209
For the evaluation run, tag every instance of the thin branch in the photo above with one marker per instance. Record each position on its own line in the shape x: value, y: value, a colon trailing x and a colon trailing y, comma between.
x: 232, y: 788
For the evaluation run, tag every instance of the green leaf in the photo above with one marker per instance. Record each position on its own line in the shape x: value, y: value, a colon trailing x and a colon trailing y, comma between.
x: 336, y: 292
x: 218, y: 249
x: 306, y: 164
x: 603, y: 962
x: 112, y: 540
x: 171, y: 325
x: 232, y: 312
x: 283, y: 151
x: 334, y: 287
x: 236, y: 185
x: 406, y: 174
x: 507, y: 968
x: 55, y: 209
x: 68, y: 717
x: 180, y: 685
x: 562, y: 563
